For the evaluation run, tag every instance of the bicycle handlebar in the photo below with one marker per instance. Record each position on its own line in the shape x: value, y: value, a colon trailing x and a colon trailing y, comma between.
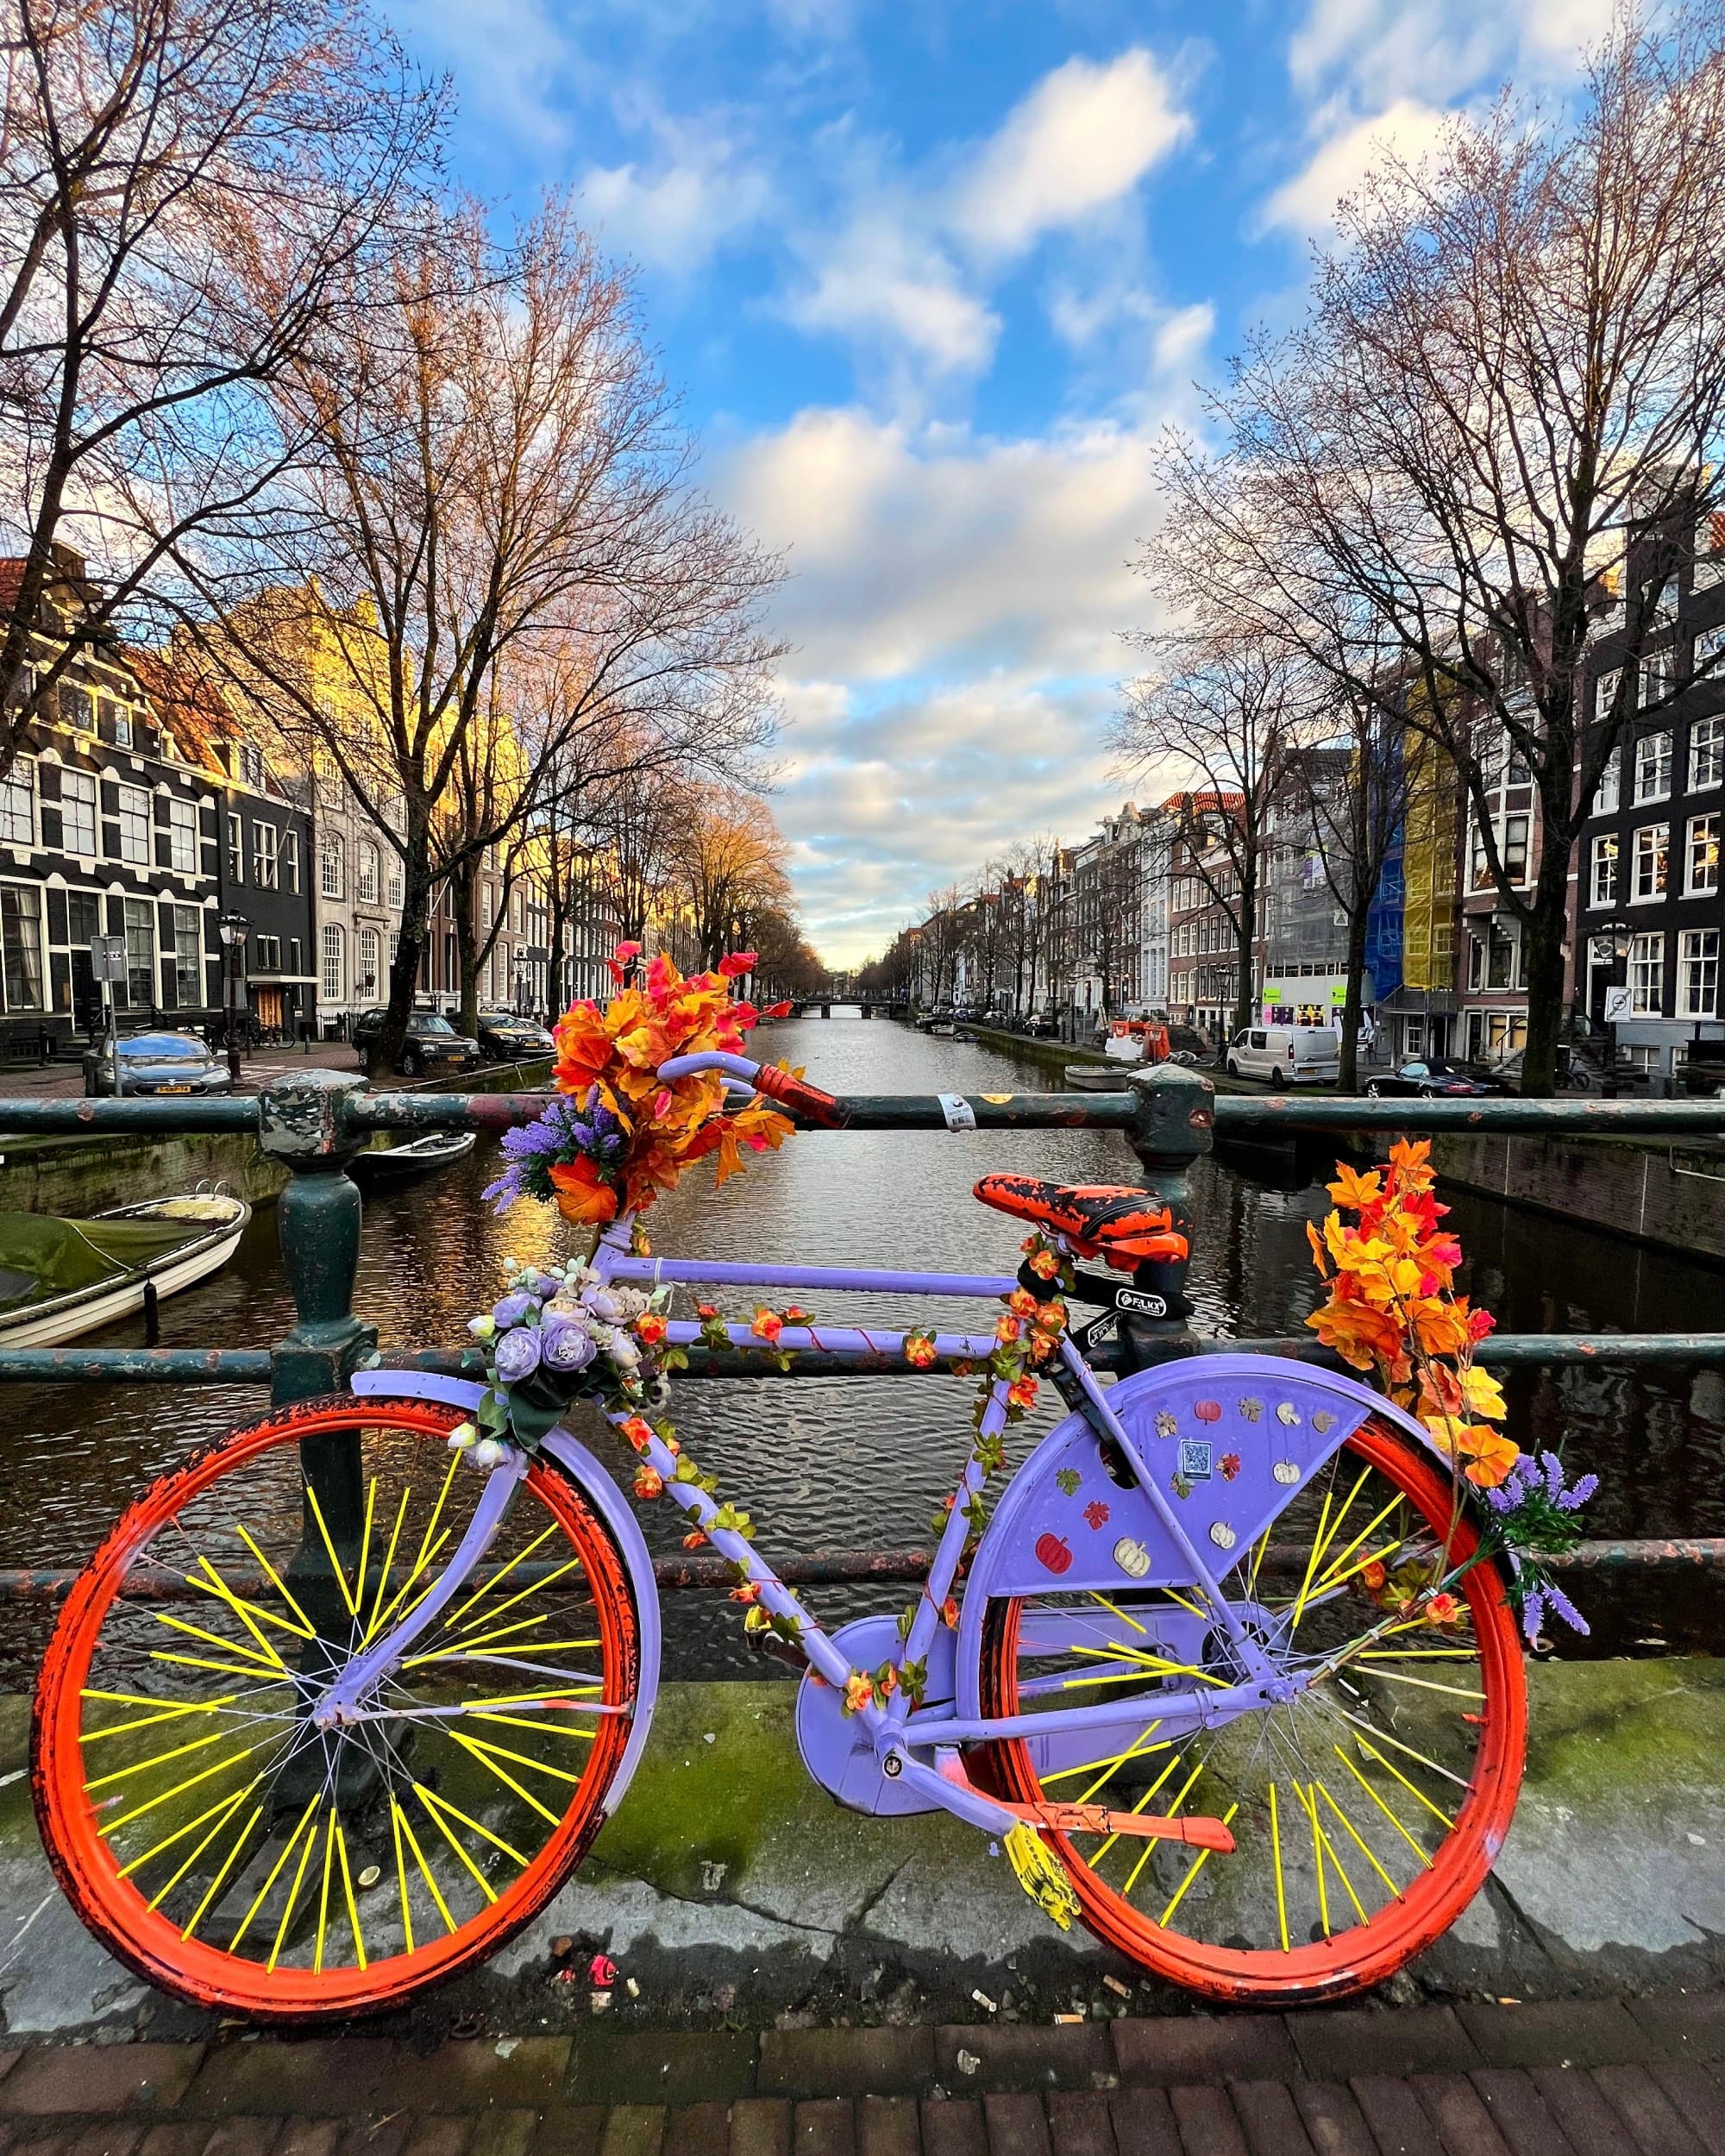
x: 805, y: 1100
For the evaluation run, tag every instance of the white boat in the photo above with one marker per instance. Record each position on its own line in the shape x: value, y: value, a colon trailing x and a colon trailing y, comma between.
x: 60, y: 1279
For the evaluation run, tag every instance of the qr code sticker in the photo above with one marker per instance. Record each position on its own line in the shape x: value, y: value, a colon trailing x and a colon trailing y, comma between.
x: 1194, y: 1459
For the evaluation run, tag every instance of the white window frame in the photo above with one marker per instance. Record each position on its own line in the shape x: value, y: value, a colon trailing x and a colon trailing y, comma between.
x: 1706, y: 753
x: 1603, y: 869
x: 332, y: 866
x: 1698, y: 972
x: 333, y: 968
x: 1646, y: 974
x: 1609, y: 793
x: 1652, y: 767
x: 392, y: 881
x: 81, y: 812
x: 1701, y: 856
x: 265, y: 855
x: 366, y: 865
x: 136, y: 827
x: 1650, y: 864
x: 18, y: 804
x: 290, y: 861
x: 182, y: 835
x: 237, y: 847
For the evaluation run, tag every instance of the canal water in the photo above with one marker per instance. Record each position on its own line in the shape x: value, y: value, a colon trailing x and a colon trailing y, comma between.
x: 824, y: 1463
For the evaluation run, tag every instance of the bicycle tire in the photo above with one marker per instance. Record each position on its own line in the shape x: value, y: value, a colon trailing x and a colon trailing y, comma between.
x: 107, y: 1621
x: 1356, y: 1957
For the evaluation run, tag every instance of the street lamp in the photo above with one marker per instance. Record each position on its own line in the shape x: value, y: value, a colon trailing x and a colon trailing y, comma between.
x: 233, y: 929
x: 1610, y: 945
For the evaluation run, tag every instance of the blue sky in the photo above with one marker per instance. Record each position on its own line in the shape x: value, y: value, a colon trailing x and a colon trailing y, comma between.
x: 932, y: 278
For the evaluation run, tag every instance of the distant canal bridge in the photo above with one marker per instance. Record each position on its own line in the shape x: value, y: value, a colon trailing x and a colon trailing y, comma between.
x: 824, y: 1008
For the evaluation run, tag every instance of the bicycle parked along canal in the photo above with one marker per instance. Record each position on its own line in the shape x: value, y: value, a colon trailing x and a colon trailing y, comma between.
x: 1230, y: 1671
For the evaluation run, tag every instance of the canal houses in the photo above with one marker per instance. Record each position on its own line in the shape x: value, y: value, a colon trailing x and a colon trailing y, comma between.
x: 109, y: 826
x: 1203, y: 901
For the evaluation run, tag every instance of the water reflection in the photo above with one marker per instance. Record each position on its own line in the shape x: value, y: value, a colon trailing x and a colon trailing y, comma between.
x: 831, y: 1461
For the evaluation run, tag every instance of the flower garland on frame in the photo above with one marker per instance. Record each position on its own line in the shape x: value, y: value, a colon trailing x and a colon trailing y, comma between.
x: 1392, y: 1309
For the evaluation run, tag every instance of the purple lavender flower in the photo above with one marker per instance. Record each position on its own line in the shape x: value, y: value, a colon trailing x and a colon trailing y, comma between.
x: 1533, y: 1613
x: 516, y: 1355
x: 1555, y: 1474
x: 505, y: 1190
x: 1574, y: 1498
x: 1562, y: 1606
x: 566, y: 1346
x: 511, y: 1309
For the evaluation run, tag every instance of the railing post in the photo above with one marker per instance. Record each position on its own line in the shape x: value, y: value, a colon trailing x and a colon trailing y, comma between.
x: 318, y: 1218
x: 1174, y: 1125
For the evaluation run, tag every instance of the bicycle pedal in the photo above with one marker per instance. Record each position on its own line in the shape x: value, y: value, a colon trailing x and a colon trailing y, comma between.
x: 1196, y: 1833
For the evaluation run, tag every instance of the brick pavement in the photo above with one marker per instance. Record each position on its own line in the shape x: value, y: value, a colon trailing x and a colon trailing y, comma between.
x: 1582, y: 2078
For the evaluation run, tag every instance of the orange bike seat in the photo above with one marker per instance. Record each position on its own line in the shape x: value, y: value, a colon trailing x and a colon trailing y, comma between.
x: 1110, y: 1221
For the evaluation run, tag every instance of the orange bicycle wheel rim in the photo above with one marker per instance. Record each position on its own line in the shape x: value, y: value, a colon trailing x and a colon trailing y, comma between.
x: 117, y: 1913
x: 1362, y: 1955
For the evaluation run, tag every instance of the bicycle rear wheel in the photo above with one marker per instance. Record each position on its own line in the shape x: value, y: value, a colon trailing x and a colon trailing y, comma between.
x: 1366, y: 1811
x: 229, y: 1850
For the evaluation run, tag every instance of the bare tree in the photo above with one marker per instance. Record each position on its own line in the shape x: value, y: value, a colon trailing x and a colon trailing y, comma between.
x: 500, y: 487
x: 727, y: 868
x: 1495, y: 435
x: 192, y: 193
x: 1225, y: 707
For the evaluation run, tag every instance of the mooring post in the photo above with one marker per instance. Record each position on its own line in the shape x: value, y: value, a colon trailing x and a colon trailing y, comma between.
x: 1173, y: 1125
x: 301, y: 1124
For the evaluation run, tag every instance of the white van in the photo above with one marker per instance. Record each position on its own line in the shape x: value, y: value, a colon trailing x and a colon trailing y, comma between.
x: 1286, y: 1055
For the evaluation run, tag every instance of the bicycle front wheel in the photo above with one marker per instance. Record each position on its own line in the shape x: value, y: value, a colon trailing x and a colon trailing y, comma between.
x: 1366, y: 1810
x: 218, y: 1842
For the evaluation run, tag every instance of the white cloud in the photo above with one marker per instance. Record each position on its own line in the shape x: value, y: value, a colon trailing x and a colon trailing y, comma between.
x: 1437, y: 51
x: 1306, y: 203
x: 510, y: 57
x: 888, y: 288
x: 955, y: 605
x: 674, y: 211
x: 1083, y: 137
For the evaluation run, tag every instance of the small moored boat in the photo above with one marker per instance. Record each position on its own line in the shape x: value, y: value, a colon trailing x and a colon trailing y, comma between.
x: 1098, y: 1077
x: 60, y: 1279
x: 418, y: 1156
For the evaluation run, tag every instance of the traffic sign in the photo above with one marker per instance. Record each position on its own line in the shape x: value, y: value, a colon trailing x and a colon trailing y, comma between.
x: 108, y: 957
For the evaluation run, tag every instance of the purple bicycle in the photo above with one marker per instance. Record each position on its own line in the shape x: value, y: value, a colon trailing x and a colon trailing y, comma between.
x: 1225, y: 1668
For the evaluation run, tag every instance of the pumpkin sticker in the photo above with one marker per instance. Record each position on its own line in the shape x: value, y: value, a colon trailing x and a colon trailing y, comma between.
x: 1286, y: 1471
x: 1132, y: 1557
x: 1207, y: 1410
x: 1053, y: 1553
x: 1223, y: 1535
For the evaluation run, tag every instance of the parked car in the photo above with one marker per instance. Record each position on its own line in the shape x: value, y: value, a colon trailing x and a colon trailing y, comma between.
x: 1286, y: 1055
x: 511, y: 1039
x: 432, y: 1043
x: 1571, y: 1075
x: 1703, y: 1070
x: 157, y: 1062
x: 1433, y: 1078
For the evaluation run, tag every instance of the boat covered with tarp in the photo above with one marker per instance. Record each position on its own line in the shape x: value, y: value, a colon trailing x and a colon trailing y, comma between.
x: 60, y: 1278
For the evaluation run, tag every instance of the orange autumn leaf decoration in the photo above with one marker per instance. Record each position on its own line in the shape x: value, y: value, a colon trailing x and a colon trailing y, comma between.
x: 610, y: 1054
x: 1392, y: 1309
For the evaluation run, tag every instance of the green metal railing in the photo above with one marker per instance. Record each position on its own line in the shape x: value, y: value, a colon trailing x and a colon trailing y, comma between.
x: 314, y: 1123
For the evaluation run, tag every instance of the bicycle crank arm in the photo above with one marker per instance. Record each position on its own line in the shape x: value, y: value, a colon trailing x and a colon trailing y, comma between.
x: 1197, y: 1833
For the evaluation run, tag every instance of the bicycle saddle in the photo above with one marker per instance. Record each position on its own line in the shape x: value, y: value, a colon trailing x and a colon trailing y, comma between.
x: 1108, y: 1220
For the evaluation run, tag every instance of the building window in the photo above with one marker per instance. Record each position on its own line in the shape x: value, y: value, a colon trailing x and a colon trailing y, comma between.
x: 334, y: 965
x: 182, y: 837
x: 251, y: 765
x: 236, y: 848
x: 1647, y: 975
x: 140, y: 954
x: 1652, y: 858
x: 77, y: 709
x: 393, y: 887
x: 519, y: 922
x: 1659, y: 676
x: 265, y: 859
x: 1664, y: 604
x: 290, y: 861
x: 487, y: 904
x: 78, y: 813
x: 1698, y: 972
x: 370, y: 944
x: 1653, y: 768
x: 188, y: 957
x: 18, y: 804
x: 293, y: 955
x: 1706, y: 753
x: 134, y: 826
x: 332, y: 867
x: 1609, y: 793
x: 1605, y: 694
x: 122, y: 727
x: 268, y: 948
x: 21, y: 945
x: 1604, y: 881
x: 366, y: 873
x: 1701, y: 855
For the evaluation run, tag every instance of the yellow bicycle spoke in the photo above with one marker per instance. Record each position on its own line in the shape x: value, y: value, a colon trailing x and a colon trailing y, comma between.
x: 1378, y: 1801
x: 522, y: 1721
x: 269, y: 1664
x: 1172, y: 1812
x: 323, y: 1895
x: 1138, y: 1749
x: 1276, y: 1858
x: 1311, y: 1811
x: 227, y: 1863
x: 1359, y: 1839
x: 225, y: 1805
x: 329, y: 1549
x: 497, y: 1578
x: 156, y: 1759
x: 534, y: 1586
x: 145, y: 1721
x: 481, y: 1752
x: 252, y: 1669
x: 1396, y: 1744
x: 365, y: 1546
x: 520, y: 1758
x: 1143, y: 1801
x: 163, y: 1796
x: 428, y: 1549
x: 225, y: 1812
x: 293, y: 1891
x: 1423, y: 1683
x: 276, y: 1580
x: 347, y: 1889
x: 1315, y: 1552
x: 436, y: 1804
x: 1371, y: 1529
x: 275, y: 1871
x: 387, y: 1567
x: 413, y: 1840
x: 247, y: 1613
x: 1192, y: 1871
x: 1372, y: 1752
x: 1329, y: 1849
x: 400, y: 1870
x: 1112, y: 1612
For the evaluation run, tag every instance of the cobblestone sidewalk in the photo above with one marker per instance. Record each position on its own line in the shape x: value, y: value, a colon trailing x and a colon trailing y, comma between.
x: 1587, y: 2077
